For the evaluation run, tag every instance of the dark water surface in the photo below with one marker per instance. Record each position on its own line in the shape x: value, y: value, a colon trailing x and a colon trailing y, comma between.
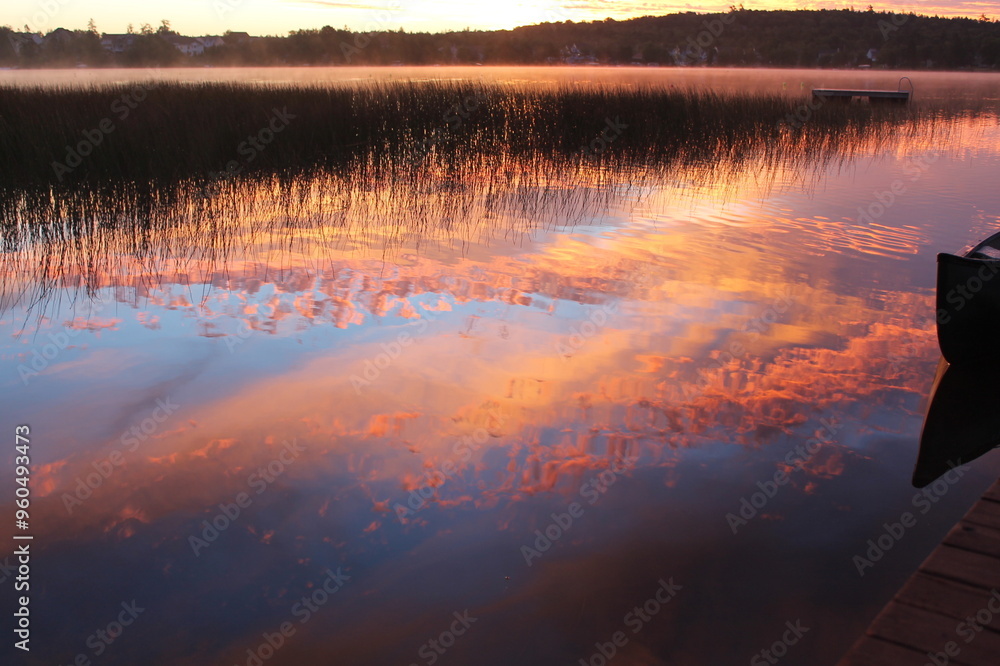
x: 501, y: 412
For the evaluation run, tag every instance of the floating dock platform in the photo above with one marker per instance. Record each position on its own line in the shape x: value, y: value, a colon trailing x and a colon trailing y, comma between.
x: 901, y: 96
x: 898, y: 95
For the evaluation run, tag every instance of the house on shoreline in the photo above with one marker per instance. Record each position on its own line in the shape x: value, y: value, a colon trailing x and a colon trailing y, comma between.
x: 117, y: 43
x: 189, y: 46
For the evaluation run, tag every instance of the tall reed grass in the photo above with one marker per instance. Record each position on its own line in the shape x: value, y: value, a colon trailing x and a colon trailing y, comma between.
x: 171, y: 131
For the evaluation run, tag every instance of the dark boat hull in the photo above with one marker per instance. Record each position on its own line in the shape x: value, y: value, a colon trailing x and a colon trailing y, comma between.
x: 968, y: 309
x: 968, y: 304
x: 963, y: 420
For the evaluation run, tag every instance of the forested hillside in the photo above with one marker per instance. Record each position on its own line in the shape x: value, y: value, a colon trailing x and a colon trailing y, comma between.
x: 741, y: 37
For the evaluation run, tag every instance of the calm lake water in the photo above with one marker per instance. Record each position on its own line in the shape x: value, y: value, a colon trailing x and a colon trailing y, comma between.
x: 489, y: 420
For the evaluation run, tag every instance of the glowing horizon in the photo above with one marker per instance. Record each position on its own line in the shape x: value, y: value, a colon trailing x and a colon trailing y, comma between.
x: 279, y: 17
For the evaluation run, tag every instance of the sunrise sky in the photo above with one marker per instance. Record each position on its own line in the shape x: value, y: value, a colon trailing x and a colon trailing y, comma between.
x: 278, y: 17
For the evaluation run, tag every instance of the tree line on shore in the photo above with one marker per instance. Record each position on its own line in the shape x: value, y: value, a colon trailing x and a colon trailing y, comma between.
x: 740, y: 37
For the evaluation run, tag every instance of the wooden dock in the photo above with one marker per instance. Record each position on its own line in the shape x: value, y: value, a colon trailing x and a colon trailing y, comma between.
x: 901, y: 96
x: 928, y: 621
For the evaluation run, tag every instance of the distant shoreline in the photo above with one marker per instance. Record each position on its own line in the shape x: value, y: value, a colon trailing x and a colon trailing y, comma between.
x: 824, y: 39
x: 505, y: 66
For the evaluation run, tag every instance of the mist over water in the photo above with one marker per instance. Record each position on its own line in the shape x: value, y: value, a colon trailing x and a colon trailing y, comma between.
x: 967, y: 85
x: 529, y: 388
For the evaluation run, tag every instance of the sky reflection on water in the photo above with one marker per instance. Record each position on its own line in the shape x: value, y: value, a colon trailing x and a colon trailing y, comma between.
x: 694, y: 331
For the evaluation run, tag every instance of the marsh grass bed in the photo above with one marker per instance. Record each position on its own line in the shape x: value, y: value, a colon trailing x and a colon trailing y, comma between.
x: 172, y: 131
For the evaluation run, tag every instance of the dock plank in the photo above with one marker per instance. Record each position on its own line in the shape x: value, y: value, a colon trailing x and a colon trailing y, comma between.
x: 929, y: 615
x: 993, y: 493
x: 871, y: 651
x: 946, y: 597
x: 934, y: 633
x: 964, y: 566
x: 985, y: 512
x: 974, y: 537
